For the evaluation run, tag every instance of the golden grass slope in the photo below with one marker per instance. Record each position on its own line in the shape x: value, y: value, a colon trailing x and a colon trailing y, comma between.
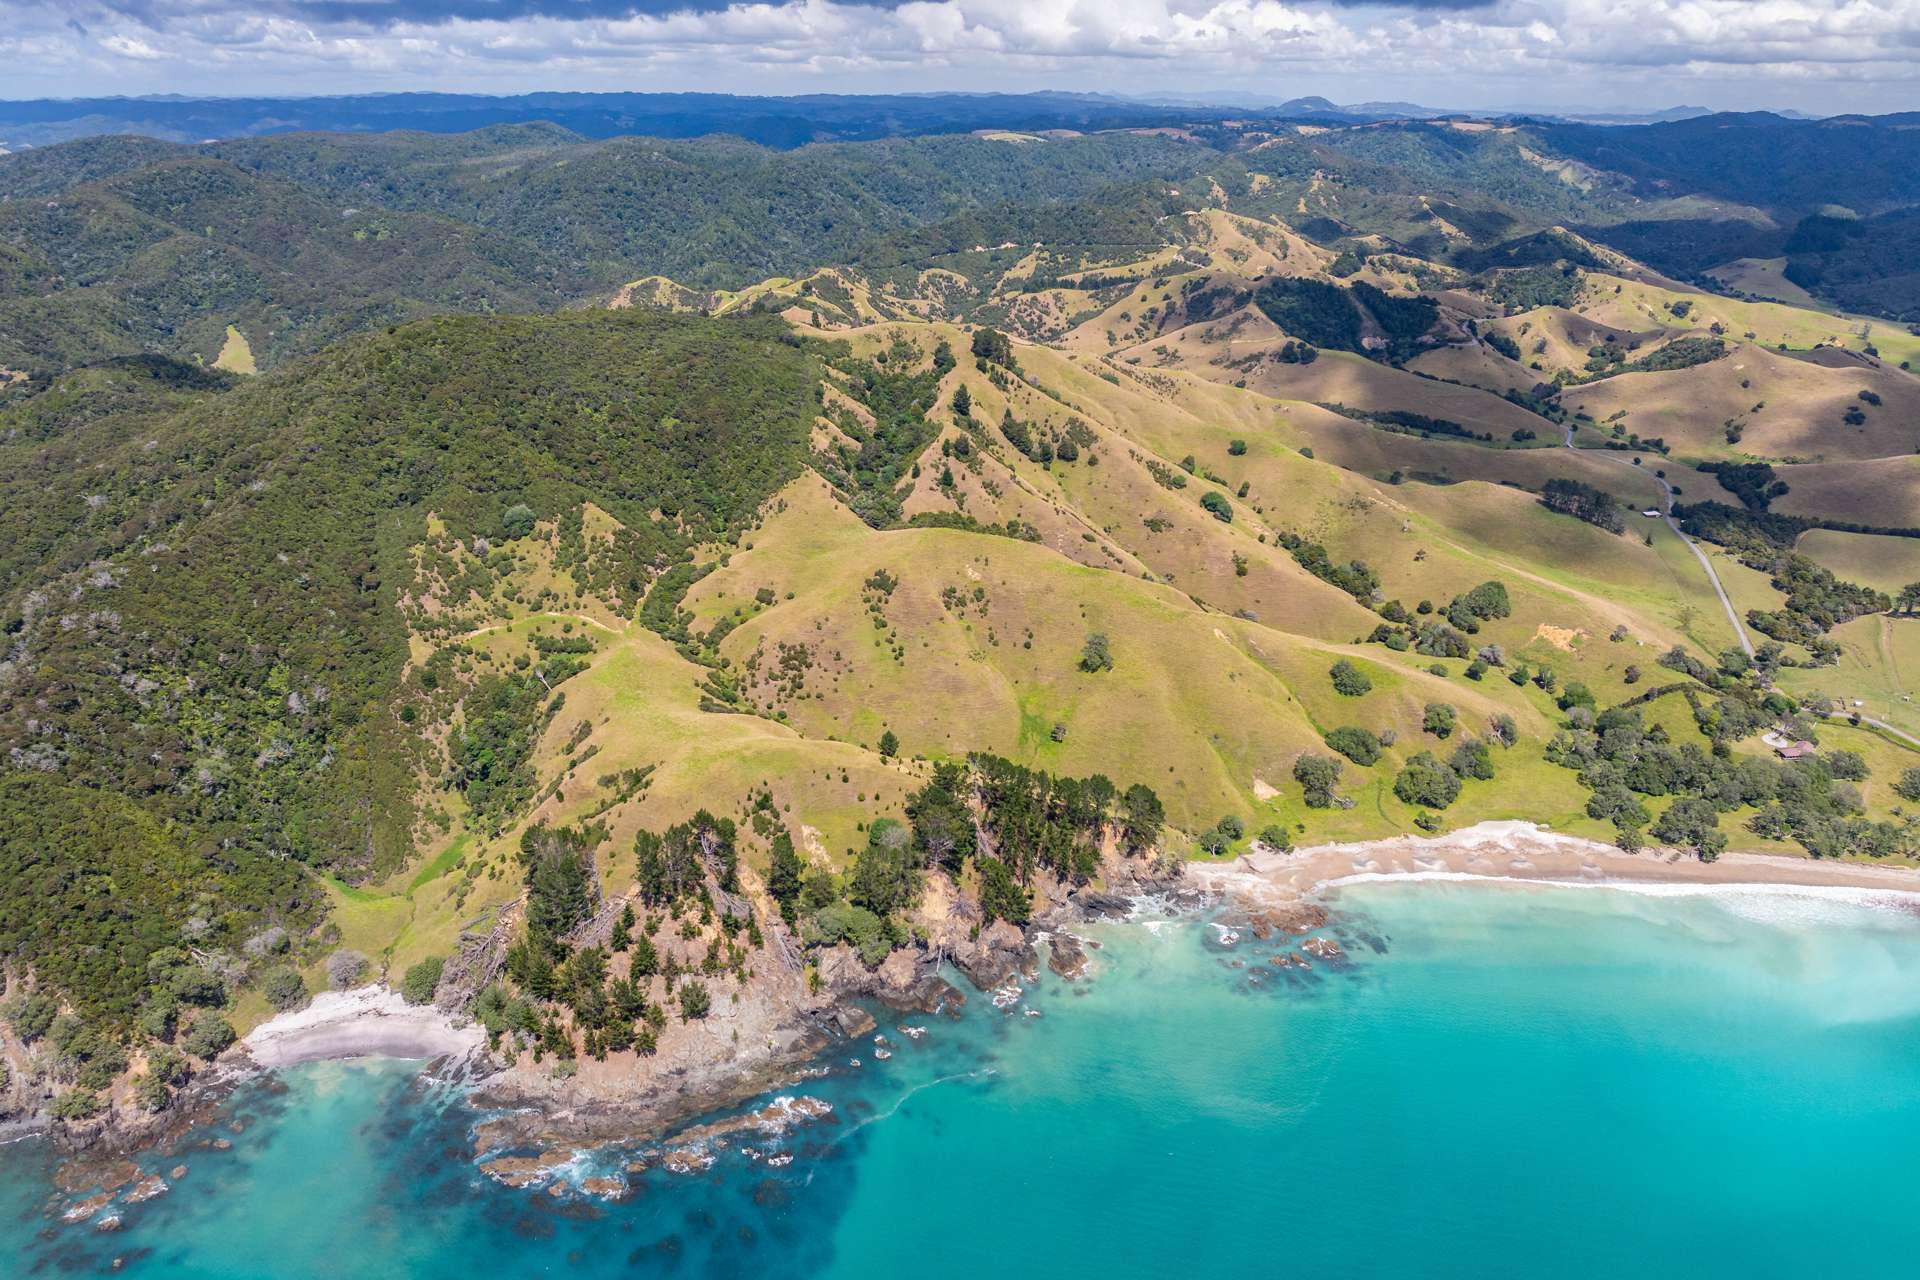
x: 1779, y: 407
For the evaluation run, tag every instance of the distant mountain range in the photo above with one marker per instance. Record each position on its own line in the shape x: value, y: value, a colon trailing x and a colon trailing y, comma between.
x: 774, y: 122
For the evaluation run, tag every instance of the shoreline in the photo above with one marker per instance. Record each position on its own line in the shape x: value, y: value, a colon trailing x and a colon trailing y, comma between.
x: 1524, y: 852
x: 366, y: 1022
x: 373, y: 1021
x: 520, y: 1109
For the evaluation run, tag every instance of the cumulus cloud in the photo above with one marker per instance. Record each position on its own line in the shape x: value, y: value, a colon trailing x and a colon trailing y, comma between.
x: 1861, y: 54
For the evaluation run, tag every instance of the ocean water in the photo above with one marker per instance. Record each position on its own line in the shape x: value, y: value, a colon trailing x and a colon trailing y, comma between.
x: 1503, y: 1081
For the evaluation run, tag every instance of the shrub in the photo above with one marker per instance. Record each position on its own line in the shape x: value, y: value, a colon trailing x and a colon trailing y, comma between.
x: 345, y: 969
x: 421, y: 981
x: 1348, y: 680
x: 1439, y: 720
x: 1216, y: 503
x: 517, y: 521
x: 284, y: 989
x: 1356, y: 744
x: 1909, y: 785
x: 1275, y: 837
x: 1237, y: 447
x: 169, y: 1066
x: 857, y: 926
x: 32, y: 1015
x: 77, y: 1104
x: 208, y: 1037
x: 151, y: 1093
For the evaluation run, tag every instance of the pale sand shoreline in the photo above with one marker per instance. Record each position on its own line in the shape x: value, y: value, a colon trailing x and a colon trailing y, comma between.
x: 1497, y: 851
x: 374, y: 1021
x: 368, y: 1022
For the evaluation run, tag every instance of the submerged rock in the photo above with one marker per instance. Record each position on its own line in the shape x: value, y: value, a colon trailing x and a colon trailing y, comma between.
x: 1323, y: 949
x: 687, y: 1160
x: 524, y: 1171
x: 84, y: 1209
x: 778, y: 1116
x: 147, y: 1188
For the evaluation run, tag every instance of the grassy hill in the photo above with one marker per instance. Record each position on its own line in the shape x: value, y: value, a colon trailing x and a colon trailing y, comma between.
x: 1321, y: 508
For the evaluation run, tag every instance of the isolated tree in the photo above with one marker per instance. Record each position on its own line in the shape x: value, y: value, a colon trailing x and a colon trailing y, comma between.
x: 1427, y: 782
x: 1438, y: 720
x: 993, y: 346
x: 1096, y: 655
x: 889, y: 745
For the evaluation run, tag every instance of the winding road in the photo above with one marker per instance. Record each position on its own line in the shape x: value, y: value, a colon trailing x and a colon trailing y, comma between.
x: 1666, y: 514
x: 1739, y: 628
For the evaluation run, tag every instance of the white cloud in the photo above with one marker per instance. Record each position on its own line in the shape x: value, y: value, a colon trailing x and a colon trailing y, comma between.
x: 1859, y: 54
x: 130, y: 47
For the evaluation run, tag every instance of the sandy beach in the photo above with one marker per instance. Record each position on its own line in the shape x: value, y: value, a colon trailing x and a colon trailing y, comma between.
x: 368, y: 1022
x: 1524, y: 851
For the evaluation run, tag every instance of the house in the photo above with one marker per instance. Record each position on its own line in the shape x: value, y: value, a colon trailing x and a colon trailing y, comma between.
x: 1800, y: 750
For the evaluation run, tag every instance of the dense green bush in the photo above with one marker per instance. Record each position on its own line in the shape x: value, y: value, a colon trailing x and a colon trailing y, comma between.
x: 1348, y: 680
x: 421, y: 980
x: 1356, y: 744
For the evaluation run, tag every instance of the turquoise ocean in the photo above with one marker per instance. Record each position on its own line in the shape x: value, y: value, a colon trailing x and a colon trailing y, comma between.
x: 1503, y: 1081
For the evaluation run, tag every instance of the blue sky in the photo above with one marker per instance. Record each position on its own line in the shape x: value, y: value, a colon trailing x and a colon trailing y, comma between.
x: 1814, y: 55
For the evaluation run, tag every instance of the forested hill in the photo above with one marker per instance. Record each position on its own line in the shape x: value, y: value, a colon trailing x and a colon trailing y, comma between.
x: 115, y: 246
x: 200, y: 671
x: 257, y: 250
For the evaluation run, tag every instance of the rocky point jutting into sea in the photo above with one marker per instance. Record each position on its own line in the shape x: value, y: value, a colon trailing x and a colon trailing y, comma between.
x: 1344, y: 1078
